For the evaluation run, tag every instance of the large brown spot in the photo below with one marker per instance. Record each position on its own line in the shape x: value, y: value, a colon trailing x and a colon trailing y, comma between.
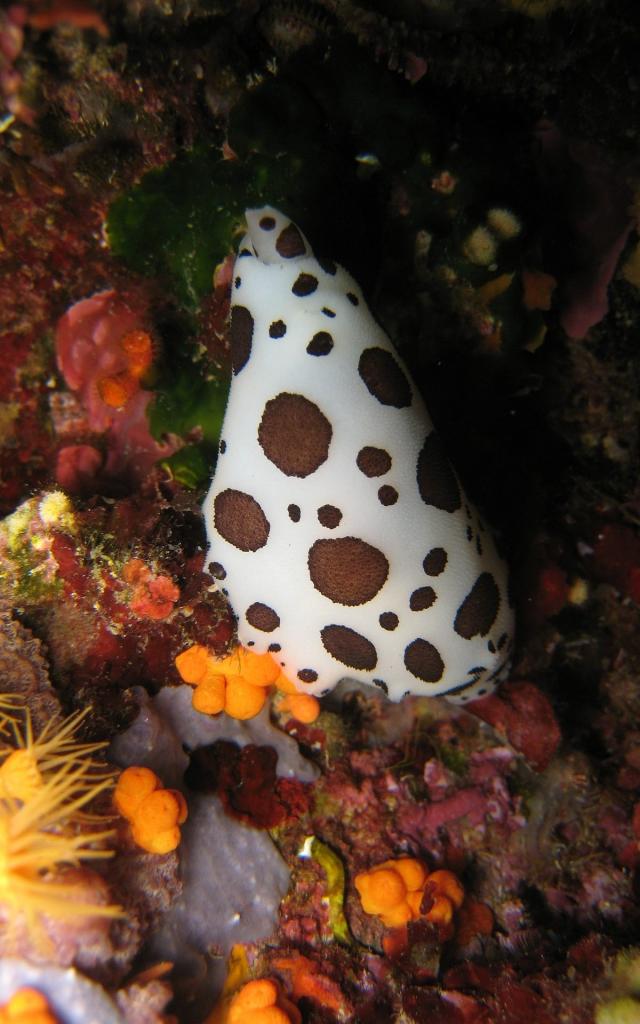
x: 261, y: 616
x: 267, y: 223
x: 373, y: 461
x: 387, y: 495
x: 239, y: 519
x: 290, y: 242
x: 384, y: 377
x: 347, y: 570
x: 294, y: 434
x: 478, y: 611
x: 421, y: 599
x: 241, y: 336
x: 304, y: 284
x: 435, y: 561
x: 349, y: 647
x: 423, y: 661
x: 436, y: 480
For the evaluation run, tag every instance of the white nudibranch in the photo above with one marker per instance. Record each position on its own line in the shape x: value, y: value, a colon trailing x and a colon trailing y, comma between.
x: 336, y: 525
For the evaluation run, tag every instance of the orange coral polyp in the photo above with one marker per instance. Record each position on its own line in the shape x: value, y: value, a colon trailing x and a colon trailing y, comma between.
x: 210, y: 695
x: 261, y: 1002
x: 303, y: 706
x: 243, y: 699
x: 20, y: 777
x: 381, y: 890
x: 133, y: 786
x: 138, y: 349
x: 193, y: 663
x: 446, y: 884
x: 27, y: 1006
x: 116, y: 390
x: 396, y: 890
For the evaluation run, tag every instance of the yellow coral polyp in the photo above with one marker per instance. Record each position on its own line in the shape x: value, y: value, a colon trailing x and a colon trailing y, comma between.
x: 395, y: 892
x: 55, y: 509
x: 261, y: 1002
x: 27, y: 1006
x: 20, y: 777
x: 153, y: 812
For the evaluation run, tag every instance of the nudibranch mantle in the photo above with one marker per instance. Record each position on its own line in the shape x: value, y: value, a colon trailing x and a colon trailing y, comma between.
x: 336, y: 525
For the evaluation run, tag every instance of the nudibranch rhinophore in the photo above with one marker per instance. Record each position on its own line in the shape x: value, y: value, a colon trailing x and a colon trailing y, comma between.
x: 337, y: 527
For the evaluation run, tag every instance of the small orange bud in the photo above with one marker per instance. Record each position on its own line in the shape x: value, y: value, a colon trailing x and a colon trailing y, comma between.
x: 193, y: 663
x: 133, y: 786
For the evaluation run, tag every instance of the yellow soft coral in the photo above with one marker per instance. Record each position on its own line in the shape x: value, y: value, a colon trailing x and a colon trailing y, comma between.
x: 397, y: 890
x: 27, y: 1006
x: 153, y: 812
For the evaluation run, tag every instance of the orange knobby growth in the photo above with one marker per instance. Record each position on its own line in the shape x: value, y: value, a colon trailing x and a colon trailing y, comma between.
x: 27, y: 1006
x: 398, y: 890
x: 393, y: 890
x: 262, y: 1002
x: 153, y: 812
x: 236, y: 684
x: 302, y: 706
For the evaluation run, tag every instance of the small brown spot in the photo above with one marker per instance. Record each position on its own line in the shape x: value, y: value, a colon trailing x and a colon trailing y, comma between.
x: 421, y: 599
x: 329, y: 516
x: 349, y: 647
x: 328, y: 312
x: 277, y: 329
x: 290, y: 243
x: 437, y: 482
x: 373, y: 461
x: 217, y: 570
x: 294, y: 434
x: 267, y: 223
x: 307, y: 675
x: 274, y: 648
x: 478, y: 611
x: 384, y: 378
x: 261, y: 616
x: 353, y: 299
x: 238, y: 282
x: 347, y: 570
x: 381, y: 683
x: 435, y: 561
x: 241, y: 334
x: 389, y: 620
x: 223, y: 447
x: 294, y: 513
x: 387, y: 495
x: 239, y: 519
x: 321, y: 344
x: 423, y: 661
x: 304, y: 284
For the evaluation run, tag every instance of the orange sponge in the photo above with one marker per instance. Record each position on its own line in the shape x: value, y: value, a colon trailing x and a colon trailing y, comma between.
x: 261, y: 1002
x: 154, y: 813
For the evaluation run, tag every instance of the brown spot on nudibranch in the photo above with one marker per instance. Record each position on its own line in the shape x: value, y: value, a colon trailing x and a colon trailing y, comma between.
x: 388, y: 620
x: 304, y: 284
x: 290, y: 243
x: 347, y: 570
x: 478, y: 611
x: 435, y: 561
x: 384, y: 378
x: 241, y: 334
x: 321, y: 344
x: 349, y: 647
x: 240, y: 521
x: 277, y: 329
x: 267, y: 223
x: 262, y: 617
x: 387, y: 495
x: 353, y: 299
x: 423, y: 661
x: 329, y: 516
x: 294, y: 513
x: 328, y: 266
x: 437, y: 482
x: 373, y: 461
x: 217, y: 570
x: 422, y: 598
x: 307, y: 675
x: 274, y: 648
x: 294, y: 434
